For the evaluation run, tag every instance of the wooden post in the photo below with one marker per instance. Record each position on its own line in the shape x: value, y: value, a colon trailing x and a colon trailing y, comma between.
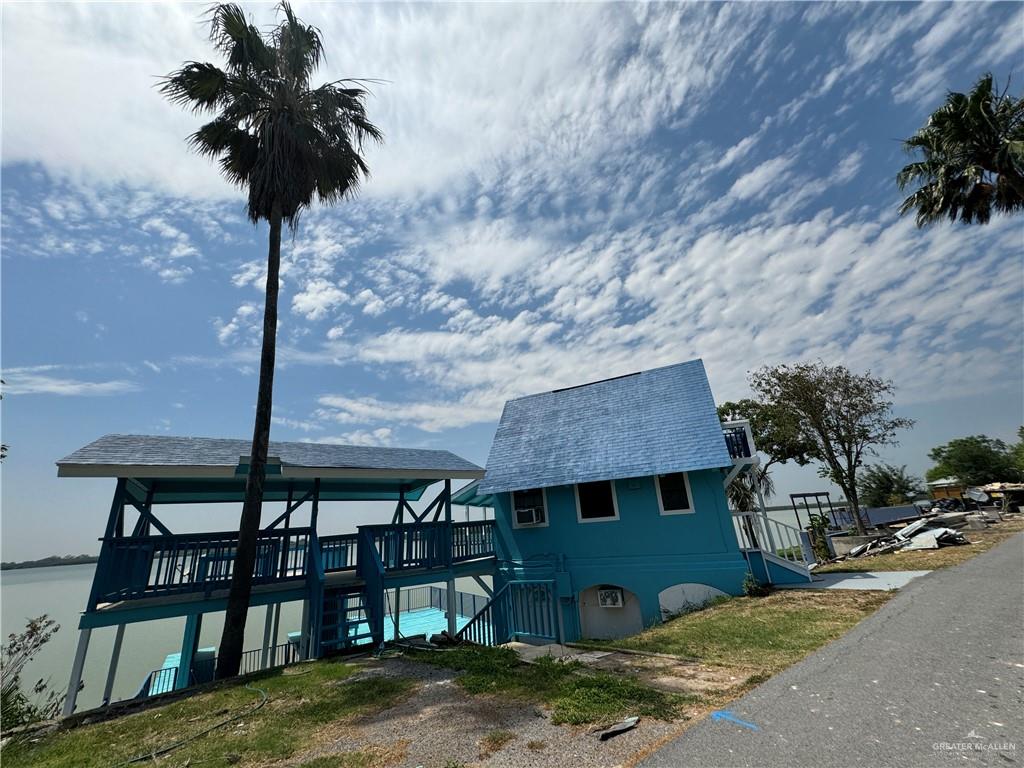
x: 268, y: 625
x: 398, y: 610
x: 452, y: 626
x: 189, y: 644
x: 76, y: 671
x: 115, y: 655
x: 277, y: 625
x: 304, y: 634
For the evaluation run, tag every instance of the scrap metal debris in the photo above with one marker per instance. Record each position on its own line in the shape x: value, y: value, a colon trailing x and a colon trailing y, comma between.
x: 621, y: 727
x: 926, y: 533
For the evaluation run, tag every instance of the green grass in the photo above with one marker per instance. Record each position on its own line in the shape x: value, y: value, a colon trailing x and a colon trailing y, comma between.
x: 764, y: 634
x: 576, y: 696
x: 301, y: 700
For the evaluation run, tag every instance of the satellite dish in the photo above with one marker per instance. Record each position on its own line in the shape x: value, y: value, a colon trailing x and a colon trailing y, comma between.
x: 975, y: 494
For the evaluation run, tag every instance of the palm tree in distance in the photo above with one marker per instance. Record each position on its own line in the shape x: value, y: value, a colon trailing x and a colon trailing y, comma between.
x: 285, y: 143
x: 973, y: 158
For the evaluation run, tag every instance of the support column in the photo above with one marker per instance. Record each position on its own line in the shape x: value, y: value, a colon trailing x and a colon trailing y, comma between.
x: 304, y: 633
x: 268, y: 625
x: 115, y: 656
x: 189, y: 644
x: 76, y: 671
x: 397, y: 610
x: 276, y: 632
x: 452, y: 626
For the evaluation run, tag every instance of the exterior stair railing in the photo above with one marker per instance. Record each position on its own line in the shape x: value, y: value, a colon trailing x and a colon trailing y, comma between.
x: 518, y: 609
x: 757, y: 531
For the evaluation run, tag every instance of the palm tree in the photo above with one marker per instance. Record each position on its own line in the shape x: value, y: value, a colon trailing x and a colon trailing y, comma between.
x: 973, y: 158
x: 285, y: 143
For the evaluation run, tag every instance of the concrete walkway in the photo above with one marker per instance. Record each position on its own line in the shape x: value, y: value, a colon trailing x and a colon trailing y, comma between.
x: 870, y: 580
x: 934, y: 678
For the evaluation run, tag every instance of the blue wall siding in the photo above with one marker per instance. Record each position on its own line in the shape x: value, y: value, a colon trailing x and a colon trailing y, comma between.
x: 643, y: 551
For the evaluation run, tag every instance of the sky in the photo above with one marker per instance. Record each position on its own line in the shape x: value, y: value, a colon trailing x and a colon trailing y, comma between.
x: 565, y: 193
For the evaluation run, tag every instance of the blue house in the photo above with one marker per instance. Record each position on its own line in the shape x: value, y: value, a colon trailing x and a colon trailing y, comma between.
x: 614, y: 491
x: 609, y: 514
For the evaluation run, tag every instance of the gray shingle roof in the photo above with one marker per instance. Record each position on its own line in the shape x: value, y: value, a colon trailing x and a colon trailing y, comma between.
x: 167, y: 451
x: 652, y: 422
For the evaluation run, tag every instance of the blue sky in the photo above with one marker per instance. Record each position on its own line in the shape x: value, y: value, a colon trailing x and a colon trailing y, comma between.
x: 565, y: 193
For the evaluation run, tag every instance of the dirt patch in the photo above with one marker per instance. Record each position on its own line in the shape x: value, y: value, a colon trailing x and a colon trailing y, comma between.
x: 440, y: 724
x: 674, y: 675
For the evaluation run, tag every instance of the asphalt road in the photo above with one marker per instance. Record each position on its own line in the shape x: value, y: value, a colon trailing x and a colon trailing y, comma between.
x: 934, y: 678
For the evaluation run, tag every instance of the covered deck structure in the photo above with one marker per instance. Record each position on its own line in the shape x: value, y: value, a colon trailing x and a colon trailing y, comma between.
x: 346, y: 581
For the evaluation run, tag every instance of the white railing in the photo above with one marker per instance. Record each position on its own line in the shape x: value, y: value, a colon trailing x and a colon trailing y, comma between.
x: 755, y: 530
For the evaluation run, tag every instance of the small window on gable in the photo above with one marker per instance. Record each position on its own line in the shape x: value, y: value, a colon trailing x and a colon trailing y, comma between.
x: 674, y: 496
x: 528, y: 508
x: 596, y: 501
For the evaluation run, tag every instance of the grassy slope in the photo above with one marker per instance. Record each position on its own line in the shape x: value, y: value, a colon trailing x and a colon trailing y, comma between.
x: 930, y: 559
x: 302, y: 699
x: 765, y: 634
x: 576, y: 696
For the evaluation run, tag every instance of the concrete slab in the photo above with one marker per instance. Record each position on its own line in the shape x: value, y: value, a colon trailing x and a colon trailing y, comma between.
x: 528, y: 652
x: 870, y: 580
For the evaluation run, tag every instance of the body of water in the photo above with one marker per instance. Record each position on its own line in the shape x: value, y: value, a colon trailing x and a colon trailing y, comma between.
x: 61, y: 593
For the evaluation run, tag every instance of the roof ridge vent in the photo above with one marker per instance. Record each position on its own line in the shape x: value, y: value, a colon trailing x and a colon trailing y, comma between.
x: 599, y: 381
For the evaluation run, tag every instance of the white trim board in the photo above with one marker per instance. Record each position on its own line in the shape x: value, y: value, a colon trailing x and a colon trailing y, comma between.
x: 689, y: 496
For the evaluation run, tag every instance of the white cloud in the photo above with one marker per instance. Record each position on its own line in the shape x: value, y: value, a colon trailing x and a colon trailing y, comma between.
x: 380, y: 436
x: 767, y: 175
x: 318, y: 298
x: 28, y: 382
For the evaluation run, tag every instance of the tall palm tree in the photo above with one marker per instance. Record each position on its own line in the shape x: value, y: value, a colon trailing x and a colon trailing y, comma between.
x: 286, y: 143
x: 972, y: 164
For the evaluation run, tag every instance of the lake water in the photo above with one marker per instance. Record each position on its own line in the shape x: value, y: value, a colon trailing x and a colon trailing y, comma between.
x: 61, y: 593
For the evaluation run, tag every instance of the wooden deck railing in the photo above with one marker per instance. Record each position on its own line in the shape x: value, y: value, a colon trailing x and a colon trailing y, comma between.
x: 152, y: 566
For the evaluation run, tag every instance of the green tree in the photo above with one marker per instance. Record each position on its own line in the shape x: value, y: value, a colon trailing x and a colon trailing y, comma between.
x: 971, y: 158
x: 883, y: 485
x: 776, y: 436
x: 286, y: 143
x: 1017, y: 452
x: 841, y: 416
x: 974, y: 460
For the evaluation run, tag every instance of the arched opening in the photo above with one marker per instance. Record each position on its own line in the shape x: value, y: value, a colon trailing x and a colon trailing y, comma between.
x: 608, y: 611
x: 683, y: 598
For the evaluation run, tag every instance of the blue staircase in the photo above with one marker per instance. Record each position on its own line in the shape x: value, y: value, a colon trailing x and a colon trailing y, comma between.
x: 344, y: 621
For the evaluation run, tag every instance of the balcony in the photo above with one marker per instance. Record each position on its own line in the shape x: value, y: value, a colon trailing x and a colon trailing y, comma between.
x: 739, y: 440
x: 196, y: 565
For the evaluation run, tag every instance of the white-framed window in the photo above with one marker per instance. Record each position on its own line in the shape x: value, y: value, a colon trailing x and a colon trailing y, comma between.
x: 596, y: 502
x: 674, y: 495
x: 530, y: 508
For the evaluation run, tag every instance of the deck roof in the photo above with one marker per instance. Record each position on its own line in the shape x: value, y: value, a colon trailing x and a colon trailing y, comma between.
x: 652, y: 422
x: 203, y: 469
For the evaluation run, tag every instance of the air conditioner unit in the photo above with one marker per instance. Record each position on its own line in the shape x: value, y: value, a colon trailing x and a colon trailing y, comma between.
x: 609, y: 598
x: 530, y: 516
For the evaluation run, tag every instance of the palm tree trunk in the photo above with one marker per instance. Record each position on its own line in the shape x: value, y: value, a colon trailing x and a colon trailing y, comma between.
x: 229, y: 657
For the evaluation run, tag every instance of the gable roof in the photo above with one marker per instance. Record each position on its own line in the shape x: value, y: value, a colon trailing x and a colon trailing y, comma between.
x: 167, y: 456
x: 652, y: 422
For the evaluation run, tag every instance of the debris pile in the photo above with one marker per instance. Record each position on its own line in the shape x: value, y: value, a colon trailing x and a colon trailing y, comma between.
x: 926, y: 533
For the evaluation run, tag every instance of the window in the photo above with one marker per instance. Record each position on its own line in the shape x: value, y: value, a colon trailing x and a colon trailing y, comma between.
x: 529, y: 508
x: 674, y: 497
x: 596, y: 502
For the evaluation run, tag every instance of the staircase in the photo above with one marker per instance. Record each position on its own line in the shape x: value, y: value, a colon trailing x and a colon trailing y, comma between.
x: 525, y: 610
x: 778, y: 547
x: 345, y: 618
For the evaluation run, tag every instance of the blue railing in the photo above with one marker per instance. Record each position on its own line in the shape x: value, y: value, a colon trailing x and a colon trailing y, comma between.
x: 519, y: 609
x: 736, y: 441
x: 339, y: 552
x: 152, y: 566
